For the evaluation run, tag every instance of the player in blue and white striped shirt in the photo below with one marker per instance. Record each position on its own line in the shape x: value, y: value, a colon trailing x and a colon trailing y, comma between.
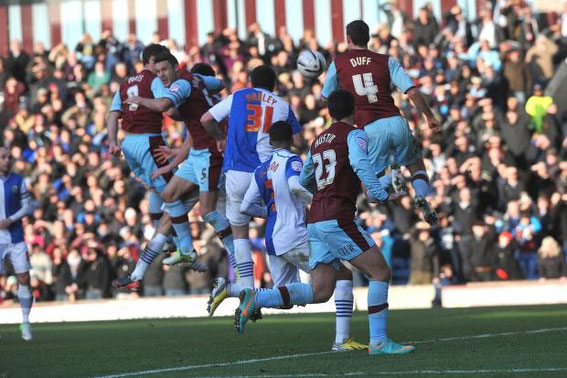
x: 250, y: 113
x: 276, y: 194
x: 15, y: 203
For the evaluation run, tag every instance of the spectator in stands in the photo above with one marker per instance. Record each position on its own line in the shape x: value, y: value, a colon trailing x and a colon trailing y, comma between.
x: 551, y: 260
x: 506, y: 266
x: 424, y: 255
x: 488, y: 163
x: 97, y: 273
x: 17, y: 61
x: 397, y: 18
x: 85, y: 50
x: 540, y: 58
x: 425, y: 28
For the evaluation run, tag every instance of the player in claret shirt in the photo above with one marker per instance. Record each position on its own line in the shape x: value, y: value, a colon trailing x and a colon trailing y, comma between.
x: 202, y: 161
x: 336, y: 165
x: 369, y: 76
x: 276, y: 194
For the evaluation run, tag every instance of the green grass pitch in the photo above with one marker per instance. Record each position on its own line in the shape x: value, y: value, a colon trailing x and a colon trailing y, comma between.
x: 512, y: 341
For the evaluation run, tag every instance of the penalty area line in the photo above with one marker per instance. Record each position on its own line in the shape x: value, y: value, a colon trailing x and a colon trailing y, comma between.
x: 301, y: 355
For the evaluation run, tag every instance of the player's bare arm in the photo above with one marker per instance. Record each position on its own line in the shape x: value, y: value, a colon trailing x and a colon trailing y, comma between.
x: 212, y: 127
x: 419, y: 101
x: 158, y: 105
x: 112, y: 127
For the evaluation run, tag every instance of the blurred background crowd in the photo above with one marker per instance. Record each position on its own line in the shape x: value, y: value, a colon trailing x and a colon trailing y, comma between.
x: 498, y: 170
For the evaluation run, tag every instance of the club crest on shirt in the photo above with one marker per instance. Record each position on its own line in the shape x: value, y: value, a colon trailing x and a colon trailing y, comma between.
x: 362, y: 144
x: 15, y: 189
x: 296, y: 166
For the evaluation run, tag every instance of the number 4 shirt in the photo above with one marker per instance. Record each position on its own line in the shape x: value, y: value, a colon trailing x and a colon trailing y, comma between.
x: 251, y: 112
x: 368, y: 76
x: 336, y: 163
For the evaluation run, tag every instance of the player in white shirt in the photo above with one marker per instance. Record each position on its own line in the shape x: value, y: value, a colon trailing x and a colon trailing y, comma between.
x: 276, y: 194
x: 15, y: 203
x: 250, y: 113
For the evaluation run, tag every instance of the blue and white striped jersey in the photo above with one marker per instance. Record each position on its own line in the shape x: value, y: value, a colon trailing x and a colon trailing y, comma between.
x: 285, y: 228
x: 13, y: 199
x: 251, y: 112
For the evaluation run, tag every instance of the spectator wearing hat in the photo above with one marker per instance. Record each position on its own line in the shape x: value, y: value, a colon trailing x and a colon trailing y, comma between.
x: 424, y: 255
x: 506, y: 265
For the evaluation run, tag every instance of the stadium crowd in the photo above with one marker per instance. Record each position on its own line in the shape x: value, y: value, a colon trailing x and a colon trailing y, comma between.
x: 498, y: 169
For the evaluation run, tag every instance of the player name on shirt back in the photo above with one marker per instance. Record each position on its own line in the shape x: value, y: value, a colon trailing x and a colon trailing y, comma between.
x: 326, y: 138
x: 137, y: 78
x: 261, y: 96
x: 360, y: 61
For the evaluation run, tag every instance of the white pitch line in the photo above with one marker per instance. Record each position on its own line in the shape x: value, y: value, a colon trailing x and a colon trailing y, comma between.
x: 300, y: 355
x: 219, y: 364
x: 487, y: 335
x: 405, y: 372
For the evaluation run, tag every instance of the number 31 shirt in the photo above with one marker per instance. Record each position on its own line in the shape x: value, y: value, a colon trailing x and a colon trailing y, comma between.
x: 368, y: 76
x: 251, y: 112
x: 336, y: 164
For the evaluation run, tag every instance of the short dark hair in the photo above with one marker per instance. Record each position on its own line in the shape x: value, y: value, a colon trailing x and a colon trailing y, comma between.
x: 203, y: 69
x: 359, y: 32
x: 152, y: 50
x: 166, y: 56
x: 263, y: 77
x: 281, y: 131
x: 341, y: 104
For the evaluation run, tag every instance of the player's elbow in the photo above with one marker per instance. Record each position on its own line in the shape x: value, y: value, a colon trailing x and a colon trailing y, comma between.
x: 207, y: 121
x: 164, y: 105
x: 413, y: 92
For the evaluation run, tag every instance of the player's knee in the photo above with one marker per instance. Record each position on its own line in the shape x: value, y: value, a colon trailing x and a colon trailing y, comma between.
x: 344, y: 274
x: 322, y: 292
x: 168, y: 196
x: 380, y: 273
x: 23, y: 278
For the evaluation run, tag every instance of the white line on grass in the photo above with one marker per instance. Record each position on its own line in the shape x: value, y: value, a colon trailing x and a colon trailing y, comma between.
x: 406, y: 372
x: 219, y: 364
x: 487, y: 335
x: 301, y: 355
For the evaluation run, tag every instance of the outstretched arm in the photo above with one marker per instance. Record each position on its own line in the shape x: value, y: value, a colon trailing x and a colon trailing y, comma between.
x: 173, y: 96
x: 419, y: 101
x: 401, y: 80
